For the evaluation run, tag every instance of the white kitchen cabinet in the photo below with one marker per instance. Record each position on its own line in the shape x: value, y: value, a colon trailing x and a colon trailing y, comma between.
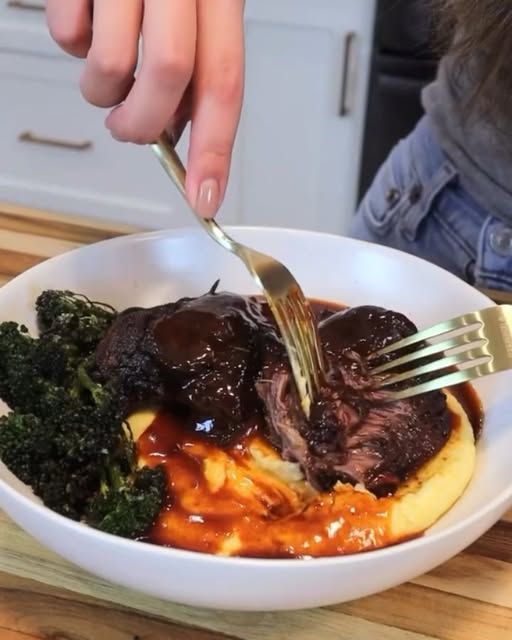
x: 57, y: 154
x: 301, y: 134
x: 23, y: 27
x: 297, y: 154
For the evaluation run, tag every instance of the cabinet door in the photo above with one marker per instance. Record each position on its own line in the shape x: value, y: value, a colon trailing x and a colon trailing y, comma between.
x: 58, y: 155
x: 23, y: 27
x: 299, y: 145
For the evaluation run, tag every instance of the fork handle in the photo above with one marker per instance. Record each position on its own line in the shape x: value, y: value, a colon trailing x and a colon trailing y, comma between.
x: 170, y: 161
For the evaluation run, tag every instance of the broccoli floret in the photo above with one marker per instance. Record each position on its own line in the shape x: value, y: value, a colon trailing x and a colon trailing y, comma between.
x: 63, y: 455
x: 16, y: 349
x: 74, y: 317
x: 56, y: 359
x: 23, y: 385
x: 64, y: 427
x: 128, y: 506
x: 27, y: 448
x: 24, y: 443
x: 37, y: 374
x: 66, y: 435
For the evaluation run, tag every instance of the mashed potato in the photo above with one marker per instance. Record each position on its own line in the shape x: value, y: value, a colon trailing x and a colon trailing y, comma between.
x: 258, y: 504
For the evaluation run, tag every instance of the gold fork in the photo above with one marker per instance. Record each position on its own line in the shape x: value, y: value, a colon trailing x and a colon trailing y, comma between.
x: 285, y: 298
x: 476, y: 344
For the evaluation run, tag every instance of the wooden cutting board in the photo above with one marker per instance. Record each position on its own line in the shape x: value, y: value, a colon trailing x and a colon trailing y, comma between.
x: 44, y: 597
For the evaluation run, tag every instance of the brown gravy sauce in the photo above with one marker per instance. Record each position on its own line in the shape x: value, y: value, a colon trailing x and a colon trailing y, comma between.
x: 249, y: 514
x: 220, y: 502
x: 472, y: 405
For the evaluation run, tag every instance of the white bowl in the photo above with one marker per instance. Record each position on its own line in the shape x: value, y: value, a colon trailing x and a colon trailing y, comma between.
x: 154, y: 268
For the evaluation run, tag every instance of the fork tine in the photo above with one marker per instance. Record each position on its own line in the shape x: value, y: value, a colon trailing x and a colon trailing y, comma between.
x: 452, y: 379
x: 437, y: 330
x: 439, y: 365
x: 291, y: 334
x: 310, y: 353
x: 296, y: 319
x: 489, y: 353
x: 300, y: 309
x: 473, y: 338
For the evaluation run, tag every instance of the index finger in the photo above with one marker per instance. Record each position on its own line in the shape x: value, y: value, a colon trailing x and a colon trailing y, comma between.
x: 218, y: 92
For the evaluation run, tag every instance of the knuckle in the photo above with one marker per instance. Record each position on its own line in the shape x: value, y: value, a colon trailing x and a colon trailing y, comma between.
x: 111, y: 66
x: 218, y: 153
x: 171, y: 69
x: 226, y: 83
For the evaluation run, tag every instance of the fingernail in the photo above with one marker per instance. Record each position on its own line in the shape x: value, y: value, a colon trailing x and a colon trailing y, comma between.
x: 207, y: 201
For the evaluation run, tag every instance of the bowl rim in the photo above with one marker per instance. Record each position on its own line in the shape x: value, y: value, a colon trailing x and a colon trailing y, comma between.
x: 172, y: 553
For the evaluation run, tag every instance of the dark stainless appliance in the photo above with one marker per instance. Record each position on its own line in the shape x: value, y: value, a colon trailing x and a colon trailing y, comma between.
x: 403, y: 62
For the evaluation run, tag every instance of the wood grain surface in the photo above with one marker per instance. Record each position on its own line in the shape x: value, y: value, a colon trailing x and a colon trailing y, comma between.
x: 44, y: 597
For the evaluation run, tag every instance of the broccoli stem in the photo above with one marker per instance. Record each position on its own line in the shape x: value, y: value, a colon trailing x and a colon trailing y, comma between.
x: 96, y: 390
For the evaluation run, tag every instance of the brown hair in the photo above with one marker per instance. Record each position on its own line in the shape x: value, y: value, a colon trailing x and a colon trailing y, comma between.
x: 478, y: 34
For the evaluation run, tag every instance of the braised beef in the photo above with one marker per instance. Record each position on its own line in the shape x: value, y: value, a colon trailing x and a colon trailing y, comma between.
x: 125, y: 355
x: 201, y: 356
x: 218, y: 361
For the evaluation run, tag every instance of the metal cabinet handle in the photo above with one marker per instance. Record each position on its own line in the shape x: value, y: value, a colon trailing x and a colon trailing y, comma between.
x: 348, y: 78
x: 32, y: 138
x: 27, y: 6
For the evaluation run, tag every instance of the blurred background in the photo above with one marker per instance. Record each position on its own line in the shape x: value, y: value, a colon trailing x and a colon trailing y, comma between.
x: 331, y: 86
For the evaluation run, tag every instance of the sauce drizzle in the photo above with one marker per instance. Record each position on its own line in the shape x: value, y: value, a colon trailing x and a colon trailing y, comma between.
x: 220, y: 501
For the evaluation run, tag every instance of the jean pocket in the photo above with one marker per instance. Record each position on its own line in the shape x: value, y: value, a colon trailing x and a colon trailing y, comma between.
x: 392, y: 192
x: 445, y: 225
x: 431, y: 198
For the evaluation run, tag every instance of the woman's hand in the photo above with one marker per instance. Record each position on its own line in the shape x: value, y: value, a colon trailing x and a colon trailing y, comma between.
x: 192, y: 69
